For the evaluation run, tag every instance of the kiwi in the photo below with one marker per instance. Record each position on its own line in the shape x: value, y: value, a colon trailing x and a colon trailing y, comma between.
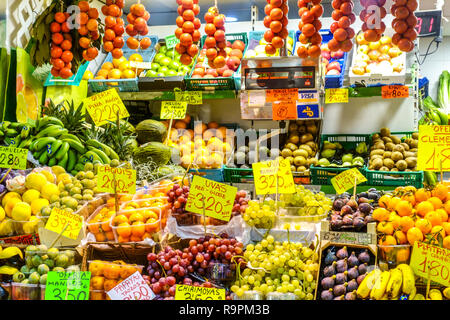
x: 376, y: 156
x: 415, y: 135
x: 294, y: 138
x: 286, y: 153
x: 388, y: 162
x: 414, y: 144
x: 385, y: 132
x: 291, y: 146
x: 398, y: 148
x: 380, y: 145
x: 306, y: 137
x: 413, y: 150
x: 387, y: 154
x: 299, y: 161
x: 301, y: 129
x: 377, y: 163
x: 390, y: 146
x: 387, y: 140
x: 300, y: 152
x: 409, y: 154
x: 401, y: 165
x: 293, y: 127
x: 405, y: 146
x: 411, y: 162
x: 396, y: 156
x: 312, y: 128
x: 395, y: 139
x: 377, y: 152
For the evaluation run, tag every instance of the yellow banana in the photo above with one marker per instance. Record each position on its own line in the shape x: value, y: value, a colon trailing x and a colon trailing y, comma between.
x: 367, y: 284
x: 8, y: 270
x: 384, y: 297
x: 395, y: 298
x: 419, y: 297
x: 408, y: 278
x: 412, y: 294
x: 435, y: 294
x: 379, y: 287
x: 446, y: 293
x: 395, y: 283
x: 10, y: 252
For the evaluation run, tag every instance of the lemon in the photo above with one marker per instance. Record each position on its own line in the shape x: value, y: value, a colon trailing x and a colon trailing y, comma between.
x: 35, y: 180
x: 10, y: 205
x: 30, y: 227
x: 117, y: 62
x: 88, y: 75
x: 64, y: 177
x: 30, y: 195
x: 8, y: 196
x: 48, y: 190
x: 38, y: 204
x: 128, y: 74
x: 6, y: 227
x: 115, y: 74
x: 136, y: 57
x: 50, y: 177
x: 2, y: 214
x: 21, y: 212
x: 124, y: 66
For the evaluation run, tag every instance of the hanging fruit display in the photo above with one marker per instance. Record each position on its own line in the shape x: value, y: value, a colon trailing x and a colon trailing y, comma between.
x: 114, y: 27
x: 187, y: 31
x: 371, y: 16
x: 215, y: 42
x: 342, y: 32
x: 88, y: 30
x: 137, y: 19
x: 404, y: 24
x: 310, y: 25
x: 276, y: 21
x: 60, y: 47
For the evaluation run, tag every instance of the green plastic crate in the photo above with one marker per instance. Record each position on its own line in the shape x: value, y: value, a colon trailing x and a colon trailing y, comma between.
x: 323, y: 175
x: 238, y: 175
x: 216, y: 83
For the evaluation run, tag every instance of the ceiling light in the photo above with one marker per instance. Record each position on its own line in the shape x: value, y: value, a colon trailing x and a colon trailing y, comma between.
x: 231, y: 19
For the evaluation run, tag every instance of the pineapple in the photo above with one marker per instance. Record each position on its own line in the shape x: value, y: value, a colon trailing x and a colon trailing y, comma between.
x: 72, y: 117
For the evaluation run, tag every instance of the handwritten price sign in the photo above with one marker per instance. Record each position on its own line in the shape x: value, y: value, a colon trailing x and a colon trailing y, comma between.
x: 191, y: 97
x: 123, y: 179
x: 336, y: 95
x: 103, y: 107
x: 67, y: 285
x: 132, y: 288
x: 273, y: 95
x: 284, y: 110
x: 346, y: 180
x: 13, y: 157
x: 140, y: 65
x: 59, y: 218
x: 269, y: 172
x: 184, y: 292
x: 171, y: 41
x: 392, y: 92
x: 173, y: 109
x: 436, y: 259
x: 434, y: 148
x: 217, y: 198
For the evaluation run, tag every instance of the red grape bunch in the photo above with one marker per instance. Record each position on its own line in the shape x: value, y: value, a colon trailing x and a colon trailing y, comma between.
x: 178, y: 197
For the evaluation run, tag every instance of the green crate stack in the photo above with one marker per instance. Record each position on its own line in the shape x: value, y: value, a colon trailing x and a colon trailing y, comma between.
x: 238, y: 175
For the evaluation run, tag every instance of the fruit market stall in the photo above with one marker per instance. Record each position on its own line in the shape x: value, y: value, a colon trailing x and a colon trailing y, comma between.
x: 199, y: 159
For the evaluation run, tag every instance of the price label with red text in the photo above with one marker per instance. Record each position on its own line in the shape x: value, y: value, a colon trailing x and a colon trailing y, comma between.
x: 273, y: 95
x: 216, y: 198
x: 392, y: 92
x: 435, y: 260
x: 346, y: 180
x: 103, y: 107
x: 124, y: 179
x: 284, y: 110
x: 434, y: 148
x: 59, y: 218
x: 132, y: 288
x: 272, y: 176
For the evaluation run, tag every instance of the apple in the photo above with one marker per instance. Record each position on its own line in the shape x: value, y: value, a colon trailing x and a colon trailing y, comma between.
x: 233, y: 63
x: 227, y: 73
x: 174, y: 65
x: 171, y: 73
x: 159, y: 57
x: 151, y: 73
x: 163, y: 70
x: 165, y: 61
x: 212, y: 72
x: 181, y: 73
x: 196, y: 76
x: 326, y: 54
x: 325, y: 61
x: 220, y: 71
x: 229, y: 45
x: 333, y: 72
x: 228, y: 50
x: 208, y: 76
x: 155, y: 66
x: 236, y: 53
x: 238, y: 44
x: 337, y: 54
x: 334, y: 66
x: 184, y: 69
x: 199, y: 71
x: 324, y: 48
x: 170, y: 54
x: 162, y: 49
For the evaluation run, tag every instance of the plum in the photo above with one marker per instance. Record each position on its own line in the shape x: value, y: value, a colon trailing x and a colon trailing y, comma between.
x: 365, y: 208
x: 338, y: 204
x: 342, y: 253
x: 341, y: 278
x: 341, y: 265
x: 330, y: 270
x: 362, y: 268
x: 363, y: 257
x: 330, y: 257
x: 328, y: 282
x: 352, y: 285
x: 346, y: 210
x: 327, y: 294
x: 340, y: 289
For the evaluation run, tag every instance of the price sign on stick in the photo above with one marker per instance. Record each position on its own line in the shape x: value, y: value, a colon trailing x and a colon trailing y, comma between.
x: 284, y: 110
x: 13, y: 157
x: 103, y: 107
x: 185, y: 292
x: 132, y: 288
x: 140, y: 65
x: 434, y: 148
x: 67, y: 285
x: 273, y: 95
x: 173, y: 109
x: 60, y: 219
x: 171, y: 41
x: 269, y: 172
x: 191, y: 97
x: 392, y: 92
x: 346, y: 180
x: 218, y: 198
x: 430, y: 258
x: 125, y: 180
x: 336, y: 95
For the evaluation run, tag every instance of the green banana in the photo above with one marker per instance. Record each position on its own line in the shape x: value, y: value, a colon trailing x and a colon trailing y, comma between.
x: 52, y: 162
x: 10, y: 133
x: 72, y: 160
x: 95, y: 144
x: 442, y: 116
x: 15, y: 142
x: 94, y: 155
x: 430, y: 178
x: 44, y: 122
x: 54, y: 148
x: 42, y: 142
x: 105, y: 159
x: 25, y: 132
x: 63, y: 161
x: 52, y: 131
x: 5, y: 125
x: 435, y: 116
x: 76, y: 145
x: 43, y: 159
x: 62, y: 150
x: 2, y: 134
x: 110, y: 152
x: 69, y: 136
x: 16, y: 126
x: 79, y: 167
x: 32, y: 145
x: 25, y: 143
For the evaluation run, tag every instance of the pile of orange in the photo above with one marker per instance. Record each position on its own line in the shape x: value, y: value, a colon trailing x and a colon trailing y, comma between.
x: 409, y: 215
x: 106, y: 275
x: 119, y: 69
x: 100, y: 226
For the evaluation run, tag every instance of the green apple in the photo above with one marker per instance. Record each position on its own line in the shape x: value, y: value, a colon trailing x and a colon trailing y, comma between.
x: 158, y: 57
x: 155, y: 66
x: 163, y: 70
x: 177, y: 56
x: 184, y: 69
x: 170, y: 54
x: 160, y: 74
x: 151, y: 73
x: 165, y: 61
x: 174, y: 65
x: 171, y: 73
x: 181, y: 73
x: 162, y: 49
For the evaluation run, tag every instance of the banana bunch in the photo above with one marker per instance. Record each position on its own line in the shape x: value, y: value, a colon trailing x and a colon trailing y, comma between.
x: 96, y: 153
x: 16, y: 134
x: 430, y: 179
x: 388, y: 285
x: 433, y: 115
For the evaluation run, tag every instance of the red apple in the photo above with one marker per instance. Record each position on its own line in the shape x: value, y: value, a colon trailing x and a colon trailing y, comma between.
x: 220, y: 71
x: 196, y: 76
x: 233, y: 63
x: 337, y: 54
x: 227, y: 73
x: 333, y: 72
x: 238, y: 44
x: 236, y: 53
x: 208, y: 76
x: 212, y: 72
x: 326, y: 55
x: 228, y: 51
x: 229, y: 44
x: 334, y: 66
x: 199, y: 71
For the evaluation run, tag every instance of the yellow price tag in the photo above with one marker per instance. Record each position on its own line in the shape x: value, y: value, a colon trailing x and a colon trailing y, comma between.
x: 267, y: 173
x: 173, y: 109
x: 217, y: 198
x: 191, y: 97
x: 434, y: 148
x: 13, y: 157
x: 425, y: 256
x: 125, y: 180
x: 59, y: 218
x: 346, y: 180
x: 185, y: 292
x: 336, y: 95
x: 103, y: 107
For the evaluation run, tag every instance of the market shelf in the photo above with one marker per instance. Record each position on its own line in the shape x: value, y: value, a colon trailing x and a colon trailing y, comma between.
x: 170, y: 95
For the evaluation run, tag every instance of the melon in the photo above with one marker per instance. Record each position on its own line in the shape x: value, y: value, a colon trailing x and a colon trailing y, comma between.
x: 151, y: 131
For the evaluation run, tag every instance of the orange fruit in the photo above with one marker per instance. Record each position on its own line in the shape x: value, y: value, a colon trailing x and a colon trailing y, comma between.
x: 422, y: 195
x: 424, y: 207
x: 124, y: 230
x: 136, y: 217
x: 385, y: 228
x: 439, y: 230
x: 121, y: 239
x: 380, y: 214
x: 393, y: 203
x: 100, y: 237
x: 406, y: 223
x: 434, y: 218
x: 403, y: 255
x: 414, y: 234
x: 440, y: 191
x: 443, y: 214
x: 403, y: 208
x: 437, y: 203
x: 110, y: 236
x: 410, y: 198
x: 138, y: 229
x: 383, y: 202
x: 109, y: 284
x: 446, y: 242
x: 400, y: 237
x: 446, y: 226
x: 447, y: 206
x: 96, y: 267
x: 387, y: 241
x: 395, y: 220
x: 424, y: 225
x: 119, y: 219
x: 97, y: 282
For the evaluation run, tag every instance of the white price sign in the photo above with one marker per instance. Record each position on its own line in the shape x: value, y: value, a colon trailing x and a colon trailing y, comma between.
x: 132, y: 288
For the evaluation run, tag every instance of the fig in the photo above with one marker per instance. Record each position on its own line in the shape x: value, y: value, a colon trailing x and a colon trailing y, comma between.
x: 368, y: 219
x: 362, y: 268
x: 353, y: 273
x: 363, y: 257
x: 346, y: 210
x: 330, y: 270
x: 373, y: 196
x: 352, y: 285
x: 352, y: 204
x: 360, y: 278
x: 340, y: 289
x: 365, y: 208
x: 341, y: 265
x: 347, y: 220
x: 338, y: 204
x: 339, y: 298
x: 328, y: 282
x: 358, y: 222
x: 336, y: 224
x: 350, y: 295
x: 327, y: 295
x: 342, y: 253
x: 363, y: 200
x: 341, y: 278
x: 330, y: 257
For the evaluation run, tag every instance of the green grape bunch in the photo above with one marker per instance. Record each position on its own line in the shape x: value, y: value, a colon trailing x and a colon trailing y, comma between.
x: 260, y: 215
x: 307, y: 202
